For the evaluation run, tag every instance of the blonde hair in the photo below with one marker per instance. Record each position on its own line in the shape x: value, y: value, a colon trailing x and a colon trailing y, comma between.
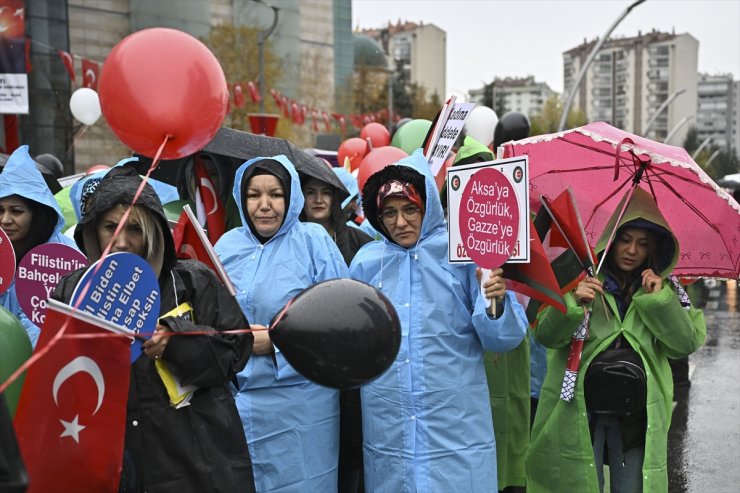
x: 151, y: 231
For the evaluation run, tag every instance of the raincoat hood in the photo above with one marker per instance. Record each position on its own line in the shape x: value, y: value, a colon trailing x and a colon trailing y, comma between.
x: 119, y: 187
x: 295, y: 196
x: 643, y: 212
x: 81, y: 190
x: 349, y: 182
x: 20, y: 177
x: 415, y: 170
x: 472, y: 151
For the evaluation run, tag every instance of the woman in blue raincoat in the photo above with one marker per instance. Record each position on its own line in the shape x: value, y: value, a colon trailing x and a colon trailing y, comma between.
x: 30, y: 216
x: 427, y: 420
x: 291, y: 424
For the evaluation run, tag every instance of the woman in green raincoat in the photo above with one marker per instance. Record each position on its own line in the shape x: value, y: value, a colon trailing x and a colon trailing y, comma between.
x: 571, y: 441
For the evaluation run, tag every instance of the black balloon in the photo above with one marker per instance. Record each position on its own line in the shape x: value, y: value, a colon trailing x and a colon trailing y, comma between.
x: 512, y: 126
x: 339, y: 333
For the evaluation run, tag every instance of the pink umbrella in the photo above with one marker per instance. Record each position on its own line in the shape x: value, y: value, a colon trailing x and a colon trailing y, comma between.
x: 704, y: 218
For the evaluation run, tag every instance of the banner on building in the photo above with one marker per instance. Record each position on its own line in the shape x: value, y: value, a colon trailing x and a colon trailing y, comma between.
x: 13, y: 54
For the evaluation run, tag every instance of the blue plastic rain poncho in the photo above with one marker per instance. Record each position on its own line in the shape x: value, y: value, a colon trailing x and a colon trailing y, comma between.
x: 427, y: 420
x: 84, y: 187
x: 291, y: 424
x: 20, y: 177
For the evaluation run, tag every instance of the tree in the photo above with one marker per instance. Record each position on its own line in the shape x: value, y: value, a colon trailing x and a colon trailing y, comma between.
x: 402, y: 103
x: 548, y: 119
x: 424, y: 106
x: 235, y: 47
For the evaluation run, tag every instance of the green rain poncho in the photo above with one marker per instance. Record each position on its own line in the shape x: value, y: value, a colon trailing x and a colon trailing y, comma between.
x: 561, y: 457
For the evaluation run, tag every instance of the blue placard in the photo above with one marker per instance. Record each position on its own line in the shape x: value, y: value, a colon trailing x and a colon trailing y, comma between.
x: 123, y: 290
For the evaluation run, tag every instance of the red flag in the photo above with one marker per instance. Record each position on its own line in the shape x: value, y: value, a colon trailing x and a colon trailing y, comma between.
x: 238, y: 95
x: 278, y: 101
x: 71, y: 417
x: 191, y: 242
x: 536, y: 279
x: 327, y: 121
x: 27, y: 53
x: 315, y: 120
x: 90, y: 74
x: 287, y: 108
x: 68, y: 63
x: 567, y: 231
x: 253, y: 92
x: 215, y: 215
x: 187, y: 242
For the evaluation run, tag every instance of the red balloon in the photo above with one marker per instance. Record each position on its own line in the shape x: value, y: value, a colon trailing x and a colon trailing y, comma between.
x: 377, y: 133
x: 158, y: 82
x: 355, y: 149
x: 376, y: 160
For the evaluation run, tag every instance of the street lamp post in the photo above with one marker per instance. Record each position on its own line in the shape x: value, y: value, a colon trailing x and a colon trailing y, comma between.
x: 701, y: 147
x: 660, y: 109
x: 711, y: 158
x: 591, y: 56
x: 677, y: 127
x: 261, y: 37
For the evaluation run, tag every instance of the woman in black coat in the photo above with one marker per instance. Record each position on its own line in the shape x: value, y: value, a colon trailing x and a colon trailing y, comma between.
x: 198, y: 447
x: 322, y: 205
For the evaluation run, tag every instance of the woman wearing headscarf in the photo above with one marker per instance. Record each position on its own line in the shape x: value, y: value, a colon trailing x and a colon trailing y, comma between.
x: 322, y: 206
x: 30, y: 216
x: 197, y: 447
x: 621, y: 406
x: 427, y: 422
x: 291, y: 424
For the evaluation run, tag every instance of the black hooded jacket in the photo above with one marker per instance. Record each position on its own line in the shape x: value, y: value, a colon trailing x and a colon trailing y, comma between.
x: 200, y: 447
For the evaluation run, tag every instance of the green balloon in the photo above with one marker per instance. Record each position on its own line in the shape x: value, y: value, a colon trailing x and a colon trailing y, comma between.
x: 411, y: 135
x: 15, y: 349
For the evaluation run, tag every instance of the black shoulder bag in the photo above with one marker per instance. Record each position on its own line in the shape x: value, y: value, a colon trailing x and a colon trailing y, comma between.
x: 615, y: 381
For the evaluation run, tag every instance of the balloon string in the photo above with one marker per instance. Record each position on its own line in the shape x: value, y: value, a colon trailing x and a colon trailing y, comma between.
x: 167, y: 334
x: 60, y: 333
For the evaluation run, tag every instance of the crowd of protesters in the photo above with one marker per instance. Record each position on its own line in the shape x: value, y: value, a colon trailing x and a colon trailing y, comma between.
x: 426, y: 424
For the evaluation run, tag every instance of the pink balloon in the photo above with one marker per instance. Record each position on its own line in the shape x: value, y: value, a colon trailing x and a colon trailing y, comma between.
x: 158, y: 82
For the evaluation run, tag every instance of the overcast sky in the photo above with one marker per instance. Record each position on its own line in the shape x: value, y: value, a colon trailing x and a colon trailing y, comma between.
x: 515, y: 38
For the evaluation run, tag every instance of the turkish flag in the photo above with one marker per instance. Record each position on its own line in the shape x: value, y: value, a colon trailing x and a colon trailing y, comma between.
x: 214, y: 209
x: 187, y: 242
x: 90, y: 74
x: 68, y: 63
x: 238, y: 95
x: 253, y: 92
x: 71, y: 416
x: 191, y: 242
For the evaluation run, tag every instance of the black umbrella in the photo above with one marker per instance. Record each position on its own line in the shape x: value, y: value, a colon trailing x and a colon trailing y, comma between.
x: 49, y: 178
x: 231, y: 148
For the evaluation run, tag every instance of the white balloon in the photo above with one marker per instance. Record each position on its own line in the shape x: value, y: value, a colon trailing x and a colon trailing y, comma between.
x: 481, y: 124
x: 85, y: 105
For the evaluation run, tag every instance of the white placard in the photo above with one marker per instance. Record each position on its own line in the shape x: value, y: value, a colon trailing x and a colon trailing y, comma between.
x: 517, y: 170
x: 447, y: 137
x: 14, y: 94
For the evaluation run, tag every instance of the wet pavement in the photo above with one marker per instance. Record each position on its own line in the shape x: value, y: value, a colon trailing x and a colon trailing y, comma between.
x: 704, y: 439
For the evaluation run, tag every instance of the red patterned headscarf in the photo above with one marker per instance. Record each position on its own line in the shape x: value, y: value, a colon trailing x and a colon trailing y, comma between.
x: 395, y: 188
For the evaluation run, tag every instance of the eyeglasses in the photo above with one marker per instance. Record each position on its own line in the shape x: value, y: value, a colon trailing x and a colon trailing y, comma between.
x: 390, y: 216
